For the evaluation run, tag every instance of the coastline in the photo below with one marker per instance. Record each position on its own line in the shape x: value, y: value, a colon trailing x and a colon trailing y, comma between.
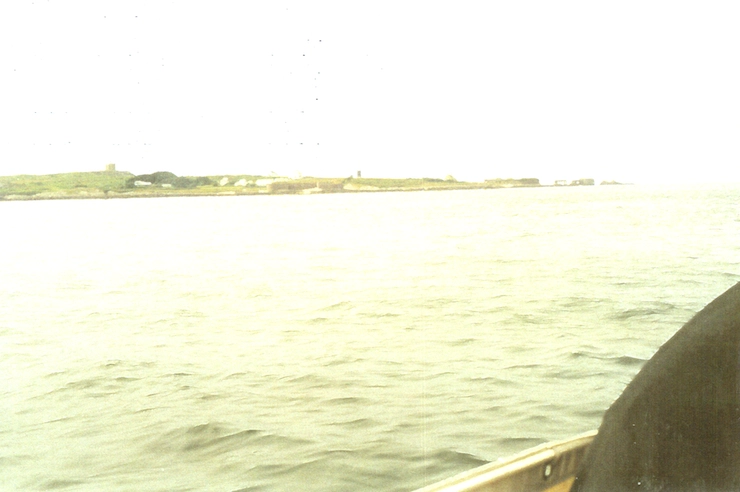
x: 159, y: 193
x: 105, y: 185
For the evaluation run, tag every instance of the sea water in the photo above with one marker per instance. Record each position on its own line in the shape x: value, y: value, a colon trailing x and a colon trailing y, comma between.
x: 373, y: 341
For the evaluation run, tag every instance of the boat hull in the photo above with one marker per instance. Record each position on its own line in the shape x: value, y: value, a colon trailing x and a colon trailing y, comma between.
x: 550, y: 467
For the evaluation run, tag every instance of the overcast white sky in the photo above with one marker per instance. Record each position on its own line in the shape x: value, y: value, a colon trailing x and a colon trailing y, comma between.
x: 635, y: 91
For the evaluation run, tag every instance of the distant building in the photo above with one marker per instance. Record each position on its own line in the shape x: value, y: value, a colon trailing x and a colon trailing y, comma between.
x: 561, y: 182
x: 111, y: 168
x: 139, y: 184
x: 268, y: 181
x: 583, y: 182
x: 359, y: 174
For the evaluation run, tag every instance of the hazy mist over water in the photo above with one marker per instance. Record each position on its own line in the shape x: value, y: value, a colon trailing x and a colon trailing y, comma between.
x: 374, y: 341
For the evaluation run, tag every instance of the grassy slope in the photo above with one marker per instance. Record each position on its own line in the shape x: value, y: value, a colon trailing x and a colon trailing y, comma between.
x: 68, y: 183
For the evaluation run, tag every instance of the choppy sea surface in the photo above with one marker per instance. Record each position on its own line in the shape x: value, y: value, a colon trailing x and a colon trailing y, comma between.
x: 377, y: 341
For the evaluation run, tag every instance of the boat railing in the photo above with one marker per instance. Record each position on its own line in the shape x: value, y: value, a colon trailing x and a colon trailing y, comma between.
x: 549, y: 467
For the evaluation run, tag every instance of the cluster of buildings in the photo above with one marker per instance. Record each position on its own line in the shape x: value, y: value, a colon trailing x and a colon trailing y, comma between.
x: 576, y: 182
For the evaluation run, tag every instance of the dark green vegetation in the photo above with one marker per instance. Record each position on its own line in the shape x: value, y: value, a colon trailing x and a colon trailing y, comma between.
x: 167, y: 178
x: 117, y: 184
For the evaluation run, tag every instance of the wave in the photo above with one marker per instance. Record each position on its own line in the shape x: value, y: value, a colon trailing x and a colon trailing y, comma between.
x: 379, y: 315
x: 236, y: 375
x: 519, y: 443
x: 117, y: 363
x: 627, y: 360
x: 360, y: 423
x: 579, y: 303
x: 463, y: 341
x: 526, y: 319
x: 635, y: 313
x: 186, y: 313
x: 339, y: 360
x: 655, y: 309
x: 590, y: 414
x: 125, y: 379
x: 346, y: 400
x: 306, y: 380
x: 214, y: 439
x: 623, y: 360
x: 496, y: 381
x: 60, y: 483
x: 88, y: 387
x: 338, y: 306
x: 453, y: 457
x: 524, y: 366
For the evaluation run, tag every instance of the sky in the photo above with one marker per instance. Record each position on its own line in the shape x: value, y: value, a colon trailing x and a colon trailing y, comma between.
x: 633, y: 91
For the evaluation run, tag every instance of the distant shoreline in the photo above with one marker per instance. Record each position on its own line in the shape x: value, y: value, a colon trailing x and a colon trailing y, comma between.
x: 105, y: 185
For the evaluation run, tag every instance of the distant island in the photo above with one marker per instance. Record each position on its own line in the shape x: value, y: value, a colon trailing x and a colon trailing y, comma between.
x: 121, y: 184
